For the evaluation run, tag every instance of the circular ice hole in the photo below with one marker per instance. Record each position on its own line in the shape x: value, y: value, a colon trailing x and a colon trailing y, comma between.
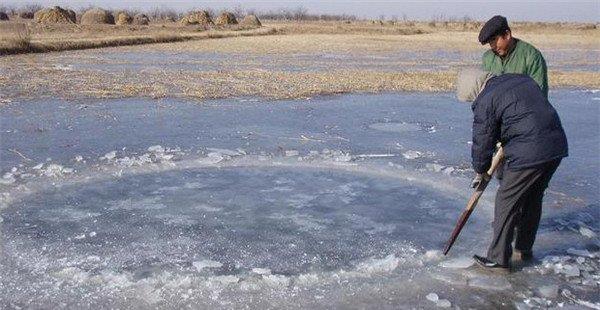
x: 290, y: 220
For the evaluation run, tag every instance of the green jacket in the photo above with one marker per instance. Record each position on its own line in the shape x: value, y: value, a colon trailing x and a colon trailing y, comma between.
x: 523, y: 59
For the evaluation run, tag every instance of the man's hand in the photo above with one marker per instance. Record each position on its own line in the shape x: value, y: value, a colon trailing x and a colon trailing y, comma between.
x: 479, y: 177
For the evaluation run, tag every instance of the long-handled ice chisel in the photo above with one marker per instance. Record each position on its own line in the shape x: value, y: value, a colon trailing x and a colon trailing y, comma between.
x: 474, y: 199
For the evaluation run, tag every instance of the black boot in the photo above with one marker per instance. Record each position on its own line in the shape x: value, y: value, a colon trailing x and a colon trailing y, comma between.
x: 490, y: 265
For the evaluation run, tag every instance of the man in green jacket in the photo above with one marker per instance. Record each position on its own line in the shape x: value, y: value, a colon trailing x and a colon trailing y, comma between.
x: 511, y: 55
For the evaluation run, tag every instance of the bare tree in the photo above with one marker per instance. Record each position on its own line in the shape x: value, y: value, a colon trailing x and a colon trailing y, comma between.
x: 238, y: 11
x: 300, y: 13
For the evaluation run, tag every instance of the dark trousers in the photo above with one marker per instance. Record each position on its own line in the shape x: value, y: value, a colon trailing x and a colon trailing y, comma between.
x: 518, y: 205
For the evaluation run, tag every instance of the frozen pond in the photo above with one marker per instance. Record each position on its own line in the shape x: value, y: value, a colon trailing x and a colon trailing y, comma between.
x: 139, y: 60
x: 330, y: 202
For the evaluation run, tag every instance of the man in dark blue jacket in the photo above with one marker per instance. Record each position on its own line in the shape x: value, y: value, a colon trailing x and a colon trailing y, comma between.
x: 511, y: 109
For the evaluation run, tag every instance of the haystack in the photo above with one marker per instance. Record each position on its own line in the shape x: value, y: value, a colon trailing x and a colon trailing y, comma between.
x: 25, y: 14
x: 97, y: 16
x: 197, y: 18
x: 226, y: 18
x: 251, y: 20
x: 72, y: 15
x: 141, y: 19
x: 54, y: 15
x: 123, y: 18
x: 3, y: 16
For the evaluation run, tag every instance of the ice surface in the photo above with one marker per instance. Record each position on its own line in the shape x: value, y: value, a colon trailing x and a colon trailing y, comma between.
x: 395, y: 127
x: 303, y: 209
x: 454, y: 279
x: 496, y: 283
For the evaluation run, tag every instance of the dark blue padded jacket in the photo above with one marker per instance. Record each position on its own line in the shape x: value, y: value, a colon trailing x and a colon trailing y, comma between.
x: 513, y: 110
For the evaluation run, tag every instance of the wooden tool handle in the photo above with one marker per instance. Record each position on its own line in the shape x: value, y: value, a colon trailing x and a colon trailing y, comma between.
x: 496, y: 160
x: 462, y: 220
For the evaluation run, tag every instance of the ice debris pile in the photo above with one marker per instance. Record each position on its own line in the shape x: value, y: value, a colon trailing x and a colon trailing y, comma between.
x: 578, y: 267
x: 155, y: 154
x: 442, y: 303
x: 42, y: 169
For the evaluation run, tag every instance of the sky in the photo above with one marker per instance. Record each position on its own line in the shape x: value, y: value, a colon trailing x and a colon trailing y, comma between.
x: 524, y: 10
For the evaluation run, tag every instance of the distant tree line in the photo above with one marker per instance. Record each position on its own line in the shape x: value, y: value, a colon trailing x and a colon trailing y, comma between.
x: 302, y: 14
x: 163, y: 13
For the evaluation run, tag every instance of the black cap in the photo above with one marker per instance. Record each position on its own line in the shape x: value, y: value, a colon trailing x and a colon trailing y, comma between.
x: 495, y: 26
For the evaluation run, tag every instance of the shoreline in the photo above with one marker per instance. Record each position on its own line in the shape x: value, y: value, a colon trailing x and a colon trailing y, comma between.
x: 36, y: 47
x: 267, y: 85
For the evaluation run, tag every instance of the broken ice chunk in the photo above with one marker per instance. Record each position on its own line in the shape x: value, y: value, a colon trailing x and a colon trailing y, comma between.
x: 291, y: 153
x: 7, y: 179
x: 54, y: 170
x: 458, y: 263
x: 522, y: 306
x: 448, y: 170
x: 38, y: 166
x: 226, y: 152
x: 275, y: 280
x: 432, y: 297
x: 156, y: 149
x: 109, y: 155
x: 586, y: 232
x: 199, y: 265
x: 432, y: 255
x: 548, y: 291
x: 570, y: 271
x: 443, y: 303
x: 376, y: 265
x: 434, y: 167
x: 412, y: 154
x: 342, y: 157
x: 584, y: 253
x: 261, y: 271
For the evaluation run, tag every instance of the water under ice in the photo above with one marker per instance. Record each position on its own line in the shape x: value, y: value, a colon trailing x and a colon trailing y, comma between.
x: 173, y: 204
